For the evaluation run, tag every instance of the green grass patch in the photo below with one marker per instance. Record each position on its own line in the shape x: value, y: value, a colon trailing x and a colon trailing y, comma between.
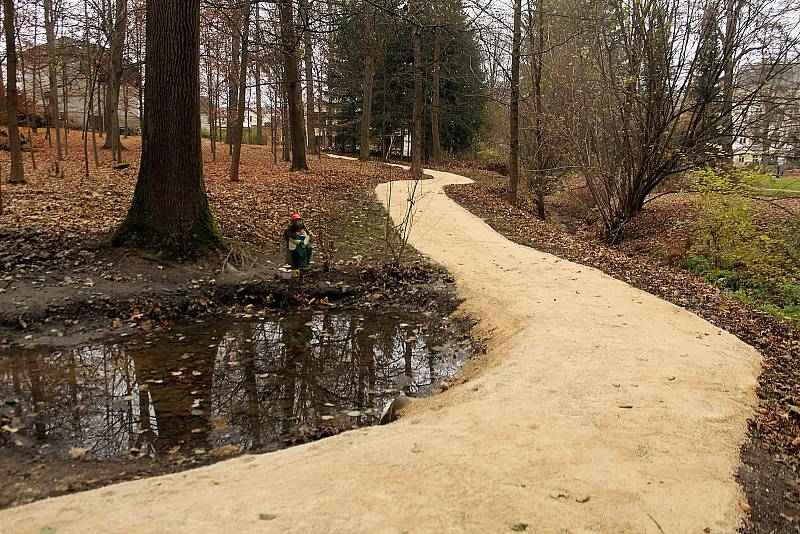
x: 361, y: 230
x: 777, y: 297
x: 789, y: 183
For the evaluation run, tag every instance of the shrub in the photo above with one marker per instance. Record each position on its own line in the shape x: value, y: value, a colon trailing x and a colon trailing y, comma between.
x: 730, y: 251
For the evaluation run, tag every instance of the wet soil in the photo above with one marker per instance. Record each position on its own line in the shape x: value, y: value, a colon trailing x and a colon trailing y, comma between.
x: 142, y: 404
x: 771, y: 489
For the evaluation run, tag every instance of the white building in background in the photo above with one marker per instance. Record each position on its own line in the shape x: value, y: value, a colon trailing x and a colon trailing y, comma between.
x: 769, y: 130
x: 250, y: 117
x: 73, y: 83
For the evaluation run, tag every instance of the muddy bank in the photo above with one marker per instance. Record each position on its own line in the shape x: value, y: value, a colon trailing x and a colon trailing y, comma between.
x: 75, y: 307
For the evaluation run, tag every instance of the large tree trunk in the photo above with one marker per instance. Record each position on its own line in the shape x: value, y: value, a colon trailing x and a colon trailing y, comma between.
x: 237, y: 141
x: 169, y: 208
x: 17, y: 170
x: 308, y: 52
x: 369, y: 72
x: 117, y: 37
x: 416, y: 114
x: 436, y: 143
x: 49, y: 26
x: 513, y: 155
x: 292, y: 79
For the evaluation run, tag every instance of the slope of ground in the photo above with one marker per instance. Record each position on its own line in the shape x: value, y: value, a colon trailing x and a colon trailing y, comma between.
x: 597, y: 407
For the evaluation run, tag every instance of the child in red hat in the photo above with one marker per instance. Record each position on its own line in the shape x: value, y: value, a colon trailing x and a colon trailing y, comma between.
x: 298, y: 243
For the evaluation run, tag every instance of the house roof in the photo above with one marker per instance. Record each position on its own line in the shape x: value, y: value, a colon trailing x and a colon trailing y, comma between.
x: 74, y: 50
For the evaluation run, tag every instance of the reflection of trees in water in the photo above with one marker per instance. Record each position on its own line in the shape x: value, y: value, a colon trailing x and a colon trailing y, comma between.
x: 269, y: 378
x: 274, y: 377
x: 69, y: 398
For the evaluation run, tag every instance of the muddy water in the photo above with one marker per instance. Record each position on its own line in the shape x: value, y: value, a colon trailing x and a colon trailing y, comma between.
x: 253, y: 384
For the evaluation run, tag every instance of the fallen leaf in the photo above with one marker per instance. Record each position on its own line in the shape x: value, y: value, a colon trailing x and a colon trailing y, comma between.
x: 226, y: 450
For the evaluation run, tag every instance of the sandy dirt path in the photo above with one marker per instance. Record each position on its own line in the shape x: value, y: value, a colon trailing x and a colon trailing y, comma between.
x: 589, y: 388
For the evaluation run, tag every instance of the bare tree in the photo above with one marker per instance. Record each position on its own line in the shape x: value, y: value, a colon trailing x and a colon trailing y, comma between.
x: 436, y: 142
x: 116, y: 31
x: 49, y: 25
x: 636, y: 122
x: 234, y: 25
x: 17, y: 174
x: 732, y: 14
x: 292, y: 81
x: 239, y: 126
x: 257, y: 67
x: 369, y: 73
x: 513, y: 153
x: 308, y: 54
x: 416, y: 115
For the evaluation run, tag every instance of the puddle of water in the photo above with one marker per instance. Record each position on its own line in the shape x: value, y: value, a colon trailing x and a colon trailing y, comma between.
x: 251, y: 385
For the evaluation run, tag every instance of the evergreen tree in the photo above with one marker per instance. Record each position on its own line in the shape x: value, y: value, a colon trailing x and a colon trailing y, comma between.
x: 462, y: 92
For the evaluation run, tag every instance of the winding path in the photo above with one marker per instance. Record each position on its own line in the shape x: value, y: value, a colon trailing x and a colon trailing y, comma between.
x: 589, y: 388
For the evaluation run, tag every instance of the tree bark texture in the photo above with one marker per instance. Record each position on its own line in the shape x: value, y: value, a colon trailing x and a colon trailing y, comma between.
x: 237, y: 141
x: 308, y: 63
x: 169, y: 208
x: 233, y: 82
x: 50, y: 32
x: 118, y: 29
x: 285, y: 151
x: 17, y: 174
x: 293, y: 87
x: 537, y: 49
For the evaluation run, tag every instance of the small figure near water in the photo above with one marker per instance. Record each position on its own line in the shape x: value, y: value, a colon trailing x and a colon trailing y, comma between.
x: 298, y: 243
